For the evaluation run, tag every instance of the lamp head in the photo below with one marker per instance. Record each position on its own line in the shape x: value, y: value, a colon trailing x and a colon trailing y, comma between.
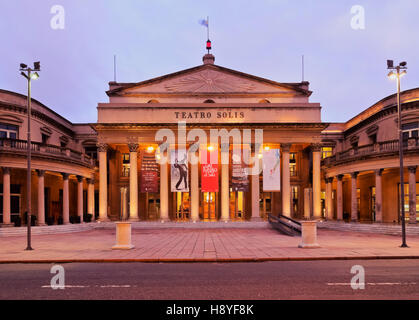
x: 23, y: 66
x: 37, y: 66
x: 392, y: 75
x: 403, y: 64
x: 390, y: 64
x: 34, y: 76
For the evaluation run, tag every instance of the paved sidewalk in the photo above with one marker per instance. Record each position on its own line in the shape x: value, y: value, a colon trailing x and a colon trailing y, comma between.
x: 197, y: 245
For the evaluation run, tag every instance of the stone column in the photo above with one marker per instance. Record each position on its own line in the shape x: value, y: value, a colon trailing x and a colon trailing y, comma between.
x: 378, y: 196
x: 66, y: 204
x: 194, y: 192
x: 256, y: 187
x: 255, y: 195
x: 80, y: 197
x: 316, y: 148
x: 412, y: 194
x: 286, y: 196
x: 329, y: 200
x: 354, y: 202
x: 91, y: 198
x: 225, y: 190
x: 339, y: 200
x: 133, y: 182
x: 164, y: 192
x: 6, y: 197
x: 103, y: 183
x: 41, y: 197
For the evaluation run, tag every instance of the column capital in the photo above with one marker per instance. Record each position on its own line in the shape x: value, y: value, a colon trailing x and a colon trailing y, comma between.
x: 412, y: 169
x: 285, y: 147
x: 41, y: 173
x: 378, y: 172
x: 340, y: 177
x: 90, y: 180
x: 316, y: 147
x: 6, y: 170
x: 329, y: 180
x: 102, y: 147
x: 133, y: 147
x: 80, y: 178
x: 354, y: 174
x: 65, y: 175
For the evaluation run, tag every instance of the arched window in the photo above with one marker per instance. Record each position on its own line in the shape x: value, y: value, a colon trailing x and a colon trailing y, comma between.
x: 264, y: 101
x: 153, y: 101
x: 209, y: 101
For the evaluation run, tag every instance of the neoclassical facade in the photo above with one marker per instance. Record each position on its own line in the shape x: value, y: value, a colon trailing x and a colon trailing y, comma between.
x: 116, y: 168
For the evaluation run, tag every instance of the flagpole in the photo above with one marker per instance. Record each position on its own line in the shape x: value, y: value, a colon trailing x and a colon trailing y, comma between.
x: 208, y: 28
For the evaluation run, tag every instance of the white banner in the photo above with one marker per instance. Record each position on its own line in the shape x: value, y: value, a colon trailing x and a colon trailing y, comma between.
x: 179, y: 170
x: 271, y: 170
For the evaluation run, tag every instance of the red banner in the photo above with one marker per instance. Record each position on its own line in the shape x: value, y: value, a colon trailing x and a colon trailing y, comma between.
x: 149, y: 180
x: 209, y: 170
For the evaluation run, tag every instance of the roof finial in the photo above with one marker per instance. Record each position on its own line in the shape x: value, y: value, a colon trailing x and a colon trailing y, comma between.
x: 208, y: 58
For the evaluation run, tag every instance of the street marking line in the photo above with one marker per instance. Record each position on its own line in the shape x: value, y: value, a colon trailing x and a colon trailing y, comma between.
x: 372, y: 283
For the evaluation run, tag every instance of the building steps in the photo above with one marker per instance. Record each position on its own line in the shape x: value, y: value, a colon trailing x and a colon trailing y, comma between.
x: 382, y: 228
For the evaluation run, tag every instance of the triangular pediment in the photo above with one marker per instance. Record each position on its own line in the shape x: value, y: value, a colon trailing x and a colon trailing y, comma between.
x: 208, y: 79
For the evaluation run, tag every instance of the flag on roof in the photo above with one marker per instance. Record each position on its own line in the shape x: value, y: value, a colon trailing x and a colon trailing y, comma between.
x: 203, y: 22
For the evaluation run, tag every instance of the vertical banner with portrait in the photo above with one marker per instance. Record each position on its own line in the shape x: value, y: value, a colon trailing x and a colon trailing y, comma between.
x: 149, y: 178
x: 271, y: 170
x: 209, y: 170
x: 240, y: 169
x: 179, y: 170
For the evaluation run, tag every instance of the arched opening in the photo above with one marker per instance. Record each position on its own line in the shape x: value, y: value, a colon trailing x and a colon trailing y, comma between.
x: 264, y: 101
x: 209, y: 101
x: 153, y: 101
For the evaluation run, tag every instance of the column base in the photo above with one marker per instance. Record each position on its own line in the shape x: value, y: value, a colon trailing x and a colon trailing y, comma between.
x: 41, y: 224
x: 308, y: 246
x: 134, y: 219
x: 6, y: 225
x: 256, y: 219
x: 225, y: 220
x: 103, y: 219
x: 412, y: 222
x: 354, y: 220
x: 163, y: 220
x: 123, y: 247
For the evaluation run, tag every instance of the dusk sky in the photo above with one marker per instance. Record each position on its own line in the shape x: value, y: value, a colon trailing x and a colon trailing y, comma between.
x: 346, y: 68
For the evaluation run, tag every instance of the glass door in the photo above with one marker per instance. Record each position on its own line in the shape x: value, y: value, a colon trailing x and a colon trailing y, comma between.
x: 153, y: 205
x: 182, y: 208
x: 265, y: 204
x: 209, y: 206
x: 236, y: 205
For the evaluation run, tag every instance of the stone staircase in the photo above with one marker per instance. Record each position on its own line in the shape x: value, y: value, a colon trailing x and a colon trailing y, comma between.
x: 382, y: 228
x: 41, y: 230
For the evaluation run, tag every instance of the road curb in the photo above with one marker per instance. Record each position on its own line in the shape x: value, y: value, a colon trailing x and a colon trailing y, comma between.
x: 206, y: 260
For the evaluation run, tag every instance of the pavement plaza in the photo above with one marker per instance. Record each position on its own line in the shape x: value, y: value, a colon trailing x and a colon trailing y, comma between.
x: 165, y: 244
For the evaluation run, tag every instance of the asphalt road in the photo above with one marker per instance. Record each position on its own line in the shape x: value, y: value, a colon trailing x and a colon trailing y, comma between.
x: 384, y: 279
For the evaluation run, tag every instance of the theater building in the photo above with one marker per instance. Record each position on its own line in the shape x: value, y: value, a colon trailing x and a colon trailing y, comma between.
x: 114, y: 168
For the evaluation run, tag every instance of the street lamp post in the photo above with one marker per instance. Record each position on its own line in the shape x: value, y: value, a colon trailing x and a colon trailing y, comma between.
x: 396, y: 73
x: 29, y: 74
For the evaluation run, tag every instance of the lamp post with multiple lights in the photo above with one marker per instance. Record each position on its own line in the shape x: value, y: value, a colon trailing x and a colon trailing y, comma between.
x: 396, y: 73
x: 30, y: 74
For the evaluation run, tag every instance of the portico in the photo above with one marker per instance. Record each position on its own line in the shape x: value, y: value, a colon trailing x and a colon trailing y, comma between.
x: 145, y: 122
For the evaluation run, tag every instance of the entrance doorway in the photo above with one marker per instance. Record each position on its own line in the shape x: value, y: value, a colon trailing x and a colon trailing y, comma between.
x: 237, y: 205
x: 265, y: 204
x: 209, y: 206
x: 153, y: 205
x: 182, y: 206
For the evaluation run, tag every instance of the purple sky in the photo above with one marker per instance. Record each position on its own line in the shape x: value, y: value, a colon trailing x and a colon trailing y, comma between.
x: 346, y: 68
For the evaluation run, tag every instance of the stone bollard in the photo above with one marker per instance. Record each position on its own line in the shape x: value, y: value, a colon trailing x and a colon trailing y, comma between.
x: 308, y: 235
x: 123, y: 236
